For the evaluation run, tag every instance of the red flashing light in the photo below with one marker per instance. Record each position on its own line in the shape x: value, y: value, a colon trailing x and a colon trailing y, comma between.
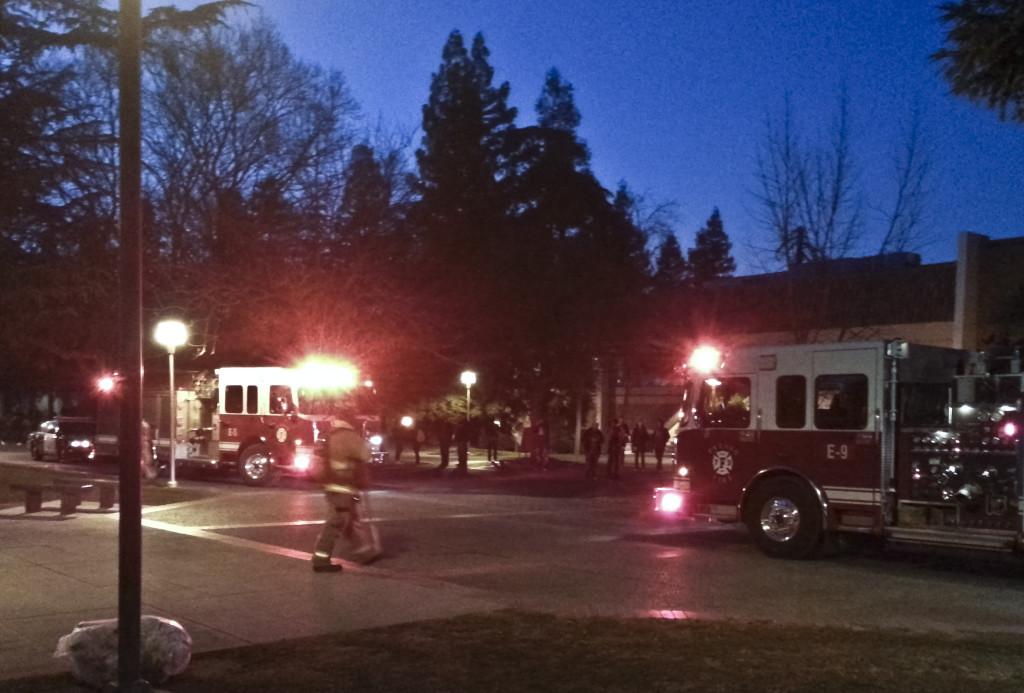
x: 106, y: 384
x: 302, y: 461
x: 1010, y: 429
x: 668, y: 501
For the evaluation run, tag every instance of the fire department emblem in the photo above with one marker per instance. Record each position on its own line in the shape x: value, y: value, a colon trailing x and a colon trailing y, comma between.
x: 722, y: 459
x: 282, y: 434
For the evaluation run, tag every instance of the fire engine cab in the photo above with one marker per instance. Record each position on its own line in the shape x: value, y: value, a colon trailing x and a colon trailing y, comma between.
x: 912, y: 443
x: 248, y: 419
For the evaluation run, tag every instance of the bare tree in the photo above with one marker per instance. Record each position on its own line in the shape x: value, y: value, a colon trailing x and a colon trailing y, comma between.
x: 911, y: 165
x: 233, y: 110
x: 829, y: 206
x: 780, y: 170
x: 809, y: 196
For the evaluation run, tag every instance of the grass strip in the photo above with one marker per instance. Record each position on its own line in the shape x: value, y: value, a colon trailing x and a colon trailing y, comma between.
x: 517, y: 651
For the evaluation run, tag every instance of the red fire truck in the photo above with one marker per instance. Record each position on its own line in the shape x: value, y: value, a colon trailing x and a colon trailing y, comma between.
x: 250, y: 420
x: 912, y: 443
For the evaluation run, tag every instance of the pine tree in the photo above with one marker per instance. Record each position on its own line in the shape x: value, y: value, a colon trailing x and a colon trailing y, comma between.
x: 466, y: 122
x: 556, y: 108
x: 711, y: 256
x: 671, y: 271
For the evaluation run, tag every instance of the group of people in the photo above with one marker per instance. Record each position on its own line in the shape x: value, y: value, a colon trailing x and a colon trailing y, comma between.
x: 642, y: 440
x: 344, y: 455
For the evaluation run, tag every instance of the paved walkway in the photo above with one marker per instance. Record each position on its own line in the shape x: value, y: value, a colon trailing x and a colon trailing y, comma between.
x: 226, y: 591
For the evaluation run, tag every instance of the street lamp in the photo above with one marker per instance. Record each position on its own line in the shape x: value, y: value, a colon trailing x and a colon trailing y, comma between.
x: 171, y: 334
x: 468, y: 378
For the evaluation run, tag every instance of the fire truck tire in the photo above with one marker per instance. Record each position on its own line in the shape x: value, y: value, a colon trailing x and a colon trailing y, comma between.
x: 784, y: 518
x: 256, y: 465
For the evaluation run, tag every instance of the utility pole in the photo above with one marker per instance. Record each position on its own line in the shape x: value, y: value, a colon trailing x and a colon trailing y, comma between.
x: 129, y: 579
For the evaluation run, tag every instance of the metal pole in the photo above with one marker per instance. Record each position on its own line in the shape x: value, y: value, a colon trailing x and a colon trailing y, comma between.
x: 173, y: 420
x: 129, y: 580
x: 467, y: 402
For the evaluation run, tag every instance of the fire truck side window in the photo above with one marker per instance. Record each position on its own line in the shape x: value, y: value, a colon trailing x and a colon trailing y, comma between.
x: 233, y: 399
x: 252, y: 400
x: 280, y: 399
x: 791, y: 401
x: 841, y: 402
x: 725, y: 403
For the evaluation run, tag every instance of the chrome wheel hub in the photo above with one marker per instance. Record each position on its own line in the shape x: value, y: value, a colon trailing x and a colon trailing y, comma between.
x: 780, y: 519
x: 257, y: 466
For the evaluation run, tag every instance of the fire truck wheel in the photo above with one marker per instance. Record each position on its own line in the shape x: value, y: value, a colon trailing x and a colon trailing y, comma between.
x: 256, y: 465
x: 784, y: 518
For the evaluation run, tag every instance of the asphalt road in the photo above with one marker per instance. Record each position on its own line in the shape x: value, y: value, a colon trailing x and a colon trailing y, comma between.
x: 552, y: 541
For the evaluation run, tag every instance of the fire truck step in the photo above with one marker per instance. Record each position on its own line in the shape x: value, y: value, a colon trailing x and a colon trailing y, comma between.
x: 991, y: 540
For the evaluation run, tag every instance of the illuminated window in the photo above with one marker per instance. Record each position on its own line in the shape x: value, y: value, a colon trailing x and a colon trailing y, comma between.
x: 841, y: 402
x: 280, y: 399
x: 725, y: 403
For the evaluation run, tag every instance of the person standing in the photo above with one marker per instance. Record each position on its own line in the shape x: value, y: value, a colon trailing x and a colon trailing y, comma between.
x: 616, y: 445
x: 540, y: 443
x: 147, y: 461
x: 660, y: 437
x: 343, y: 471
x: 444, y: 442
x: 462, y: 446
x: 491, y: 439
x: 592, y: 441
x: 398, y: 434
x: 417, y: 438
x: 639, y: 440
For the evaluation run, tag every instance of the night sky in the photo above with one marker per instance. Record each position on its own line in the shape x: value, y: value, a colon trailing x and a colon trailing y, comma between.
x: 674, y: 95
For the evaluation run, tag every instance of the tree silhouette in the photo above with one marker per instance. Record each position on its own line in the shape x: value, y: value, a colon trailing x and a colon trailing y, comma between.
x: 983, y: 59
x: 711, y: 256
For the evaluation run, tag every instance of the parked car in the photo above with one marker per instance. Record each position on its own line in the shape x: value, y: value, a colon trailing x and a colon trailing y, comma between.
x: 65, y: 437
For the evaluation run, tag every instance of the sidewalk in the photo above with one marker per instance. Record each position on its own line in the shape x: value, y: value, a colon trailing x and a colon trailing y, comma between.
x: 228, y: 591
x: 55, y: 573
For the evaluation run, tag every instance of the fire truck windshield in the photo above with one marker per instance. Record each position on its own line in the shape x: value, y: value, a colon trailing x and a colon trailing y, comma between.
x: 724, y: 403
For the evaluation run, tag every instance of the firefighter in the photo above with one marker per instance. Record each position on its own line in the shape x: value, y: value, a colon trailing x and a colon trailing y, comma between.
x: 592, y: 441
x: 344, y: 475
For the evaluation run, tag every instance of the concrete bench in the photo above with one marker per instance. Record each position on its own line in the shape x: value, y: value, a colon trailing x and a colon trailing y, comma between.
x: 70, y: 492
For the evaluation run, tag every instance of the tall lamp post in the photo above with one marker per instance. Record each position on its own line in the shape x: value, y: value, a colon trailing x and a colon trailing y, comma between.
x: 171, y: 334
x: 468, y: 378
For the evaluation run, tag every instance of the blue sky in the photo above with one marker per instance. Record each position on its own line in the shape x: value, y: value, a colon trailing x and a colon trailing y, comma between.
x: 674, y: 95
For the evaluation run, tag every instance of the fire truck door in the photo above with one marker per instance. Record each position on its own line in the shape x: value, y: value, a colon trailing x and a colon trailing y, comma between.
x: 724, y: 453
x: 846, y: 408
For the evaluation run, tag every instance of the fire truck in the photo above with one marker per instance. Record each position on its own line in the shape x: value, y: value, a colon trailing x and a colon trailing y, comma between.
x: 250, y: 420
x: 802, y: 443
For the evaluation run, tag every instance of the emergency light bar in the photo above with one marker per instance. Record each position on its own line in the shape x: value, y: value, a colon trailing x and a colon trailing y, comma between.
x: 705, y: 359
